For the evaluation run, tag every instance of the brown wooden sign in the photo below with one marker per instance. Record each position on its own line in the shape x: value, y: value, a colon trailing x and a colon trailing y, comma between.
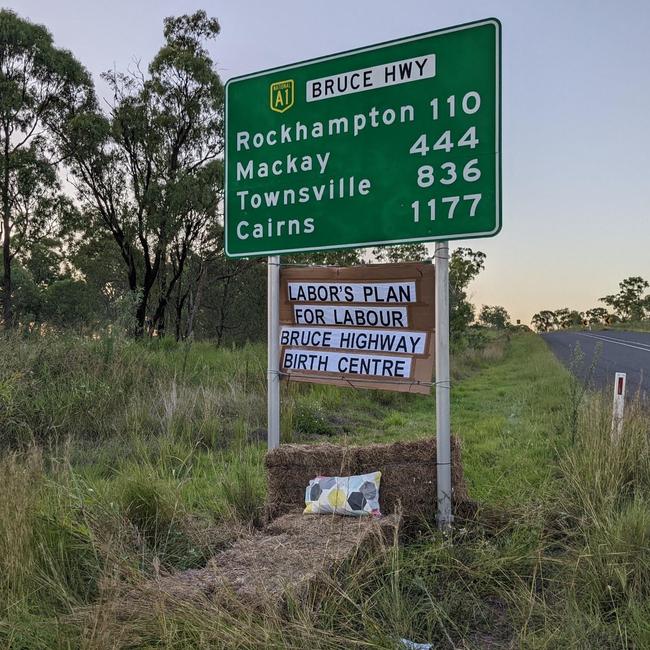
x: 367, y: 326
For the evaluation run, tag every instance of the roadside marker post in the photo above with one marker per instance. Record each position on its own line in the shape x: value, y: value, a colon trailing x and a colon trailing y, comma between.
x: 620, y: 381
x: 443, y: 387
x: 273, y: 367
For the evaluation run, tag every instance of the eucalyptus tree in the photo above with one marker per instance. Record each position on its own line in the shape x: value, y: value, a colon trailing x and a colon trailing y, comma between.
x: 41, y: 87
x: 630, y: 303
x: 149, y: 171
x: 465, y: 265
x: 544, y: 320
x: 494, y: 316
x: 597, y: 316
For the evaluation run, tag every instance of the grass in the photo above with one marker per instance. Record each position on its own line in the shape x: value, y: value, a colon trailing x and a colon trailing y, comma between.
x: 506, y: 404
x: 125, y: 461
x: 630, y: 325
x: 634, y: 326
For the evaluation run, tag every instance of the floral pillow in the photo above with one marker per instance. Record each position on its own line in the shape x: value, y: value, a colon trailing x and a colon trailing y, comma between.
x: 343, y: 495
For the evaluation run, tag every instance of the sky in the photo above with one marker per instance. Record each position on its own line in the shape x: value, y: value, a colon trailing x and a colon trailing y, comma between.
x: 576, y: 106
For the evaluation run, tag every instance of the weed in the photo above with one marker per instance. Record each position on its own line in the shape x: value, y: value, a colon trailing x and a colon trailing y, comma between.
x: 580, y: 379
x: 243, y: 487
x: 311, y: 419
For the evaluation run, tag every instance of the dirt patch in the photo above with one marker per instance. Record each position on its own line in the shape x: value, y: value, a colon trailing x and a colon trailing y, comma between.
x: 408, y: 483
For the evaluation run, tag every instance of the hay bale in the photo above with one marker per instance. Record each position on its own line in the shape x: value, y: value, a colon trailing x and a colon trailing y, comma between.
x: 408, y: 475
x: 289, y: 557
x: 291, y: 467
x: 408, y: 483
x: 334, y: 530
x: 293, y: 552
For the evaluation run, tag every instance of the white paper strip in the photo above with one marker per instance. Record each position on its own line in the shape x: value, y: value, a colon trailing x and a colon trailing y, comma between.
x: 388, y: 292
x: 370, y: 340
x: 374, y: 365
x: 393, y: 317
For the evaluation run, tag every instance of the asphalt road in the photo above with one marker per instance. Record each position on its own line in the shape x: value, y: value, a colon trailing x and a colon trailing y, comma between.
x: 609, y: 351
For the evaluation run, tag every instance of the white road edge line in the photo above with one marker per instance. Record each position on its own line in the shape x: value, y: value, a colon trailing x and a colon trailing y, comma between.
x: 614, y: 341
x: 611, y: 338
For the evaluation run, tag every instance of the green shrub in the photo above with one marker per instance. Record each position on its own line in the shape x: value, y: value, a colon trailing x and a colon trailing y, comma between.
x: 22, y: 483
x: 156, y: 514
x: 59, y: 386
x: 310, y: 418
x: 68, y: 565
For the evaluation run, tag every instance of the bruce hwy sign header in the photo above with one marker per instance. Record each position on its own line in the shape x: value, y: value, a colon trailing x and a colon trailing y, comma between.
x: 394, y: 143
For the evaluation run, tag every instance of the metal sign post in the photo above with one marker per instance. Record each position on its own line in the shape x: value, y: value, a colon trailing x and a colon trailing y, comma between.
x: 443, y: 387
x: 273, y: 371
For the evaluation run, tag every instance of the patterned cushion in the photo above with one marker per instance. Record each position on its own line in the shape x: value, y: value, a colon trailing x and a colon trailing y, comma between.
x: 343, y: 495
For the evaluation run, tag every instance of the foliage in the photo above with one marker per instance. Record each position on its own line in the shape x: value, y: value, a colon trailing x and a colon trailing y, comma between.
x: 544, y: 320
x: 400, y: 253
x: 27, y: 296
x: 243, y: 488
x: 580, y: 381
x: 40, y: 87
x: 70, y: 303
x: 495, y: 316
x: 629, y: 303
x: 163, y: 136
x: 464, y: 266
x: 310, y: 418
x: 564, y: 318
x: 597, y: 316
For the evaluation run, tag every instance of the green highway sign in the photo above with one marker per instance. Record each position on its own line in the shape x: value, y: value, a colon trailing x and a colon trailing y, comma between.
x: 394, y: 143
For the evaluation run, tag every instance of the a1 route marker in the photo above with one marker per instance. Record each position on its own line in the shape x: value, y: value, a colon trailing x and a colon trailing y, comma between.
x: 393, y: 143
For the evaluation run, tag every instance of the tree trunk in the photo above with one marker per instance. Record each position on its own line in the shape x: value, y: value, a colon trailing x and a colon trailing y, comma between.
x: 221, y: 325
x: 159, y: 315
x: 6, y: 241
x: 140, y: 315
x: 181, y: 297
x: 196, y: 302
x: 161, y: 318
x: 179, y: 319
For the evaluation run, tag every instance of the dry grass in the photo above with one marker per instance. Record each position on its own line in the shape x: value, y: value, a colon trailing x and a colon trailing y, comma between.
x: 467, y: 360
x: 158, y: 477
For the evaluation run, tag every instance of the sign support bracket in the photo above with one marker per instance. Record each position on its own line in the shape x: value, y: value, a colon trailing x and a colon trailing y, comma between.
x: 443, y: 387
x: 273, y: 343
